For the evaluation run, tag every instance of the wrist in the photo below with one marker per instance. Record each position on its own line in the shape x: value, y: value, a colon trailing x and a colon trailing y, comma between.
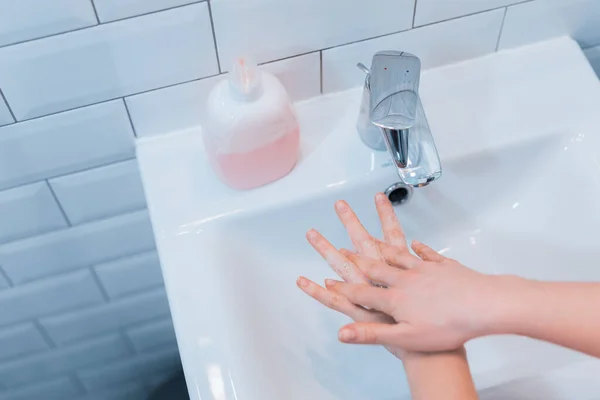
x: 511, y: 301
x: 439, y: 375
x: 415, y: 358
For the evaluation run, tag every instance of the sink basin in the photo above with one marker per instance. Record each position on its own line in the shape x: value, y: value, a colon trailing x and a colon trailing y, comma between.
x: 517, y: 133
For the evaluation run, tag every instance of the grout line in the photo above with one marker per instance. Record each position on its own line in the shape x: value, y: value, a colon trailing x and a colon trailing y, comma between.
x: 83, y: 307
x: 294, y: 56
x: 150, y: 321
x: 115, y: 98
x: 71, y: 173
x: 414, y: 13
x: 585, y: 47
x: 77, y: 383
x: 501, y: 29
x: 6, y: 277
x: 267, y: 62
x: 44, y: 333
x: 100, y: 24
x: 404, y: 30
x: 95, y: 11
x: 96, y: 335
x: 144, y: 92
x: 172, y: 85
x: 58, y: 203
x: 100, y: 285
x: 321, y: 69
x: 67, y: 110
x: 142, y: 291
x: 471, y: 14
x: 127, y: 341
x: 12, y: 114
x: 129, y: 117
x: 154, y: 12
x: 90, y: 222
x: 212, y: 25
x: 90, y: 337
x: 47, y: 36
x: 363, y: 40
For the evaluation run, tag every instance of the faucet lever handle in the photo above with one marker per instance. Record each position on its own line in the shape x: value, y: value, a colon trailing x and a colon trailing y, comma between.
x: 394, y: 84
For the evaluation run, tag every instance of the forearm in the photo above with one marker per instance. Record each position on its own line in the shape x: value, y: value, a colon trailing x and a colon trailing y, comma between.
x: 563, y: 313
x: 439, y: 376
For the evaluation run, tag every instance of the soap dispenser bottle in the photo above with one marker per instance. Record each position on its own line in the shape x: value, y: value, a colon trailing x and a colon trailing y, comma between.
x: 251, y: 134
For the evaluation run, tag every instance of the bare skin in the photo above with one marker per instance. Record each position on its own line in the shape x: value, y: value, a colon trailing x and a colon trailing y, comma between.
x: 424, y: 308
x: 439, y: 304
x: 442, y: 375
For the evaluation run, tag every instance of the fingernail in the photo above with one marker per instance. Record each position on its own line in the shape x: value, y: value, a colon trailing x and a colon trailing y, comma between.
x: 341, y: 206
x: 302, y: 282
x: 329, y: 282
x: 416, y: 243
x: 347, y: 335
x: 311, y: 234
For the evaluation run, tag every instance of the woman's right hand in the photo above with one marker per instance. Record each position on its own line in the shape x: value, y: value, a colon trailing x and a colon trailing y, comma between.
x: 437, y: 303
x: 428, y: 303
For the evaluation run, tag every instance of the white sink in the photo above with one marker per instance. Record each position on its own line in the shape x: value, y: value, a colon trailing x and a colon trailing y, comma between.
x: 517, y: 133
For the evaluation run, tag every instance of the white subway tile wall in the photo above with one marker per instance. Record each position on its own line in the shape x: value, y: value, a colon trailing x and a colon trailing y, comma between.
x: 129, y: 275
x: 128, y: 391
x: 83, y: 312
x: 29, y: 210
x: 102, y: 377
x: 5, y: 115
x: 593, y: 55
x: 60, y: 388
x: 48, y: 296
x: 152, y: 335
x: 78, y: 139
x: 435, y: 44
x: 3, y: 281
x: 107, y: 61
x: 430, y: 11
x: 181, y: 107
x: 110, y: 10
x: 68, y: 249
x: 273, y: 29
x: 29, y: 19
x: 20, y: 340
x: 100, y: 192
x: 155, y: 380
x: 539, y: 20
x: 51, y: 364
x: 67, y: 328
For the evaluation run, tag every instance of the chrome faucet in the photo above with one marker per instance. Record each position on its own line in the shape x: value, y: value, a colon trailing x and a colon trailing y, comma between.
x: 392, y: 116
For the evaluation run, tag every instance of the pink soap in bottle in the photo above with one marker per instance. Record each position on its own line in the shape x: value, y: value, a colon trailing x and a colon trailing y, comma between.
x: 251, y: 134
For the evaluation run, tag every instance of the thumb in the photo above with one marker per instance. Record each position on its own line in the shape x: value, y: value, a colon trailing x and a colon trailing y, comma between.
x: 374, y: 333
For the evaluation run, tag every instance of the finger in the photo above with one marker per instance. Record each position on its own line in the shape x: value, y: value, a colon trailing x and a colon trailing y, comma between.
x: 377, y: 271
x: 347, y: 252
x: 361, y: 239
x: 334, y: 300
x: 369, y: 333
x: 364, y: 295
x: 336, y: 260
x: 397, y: 257
x: 339, y: 303
x: 392, y: 231
x: 425, y: 252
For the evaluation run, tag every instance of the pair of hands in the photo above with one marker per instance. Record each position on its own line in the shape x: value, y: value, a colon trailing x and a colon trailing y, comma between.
x: 423, y: 303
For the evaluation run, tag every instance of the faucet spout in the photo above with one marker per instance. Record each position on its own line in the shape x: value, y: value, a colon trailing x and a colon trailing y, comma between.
x: 392, y: 117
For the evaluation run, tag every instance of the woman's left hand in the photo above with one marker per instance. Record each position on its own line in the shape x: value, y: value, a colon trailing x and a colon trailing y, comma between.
x: 428, y: 303
x: 367, y: 246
